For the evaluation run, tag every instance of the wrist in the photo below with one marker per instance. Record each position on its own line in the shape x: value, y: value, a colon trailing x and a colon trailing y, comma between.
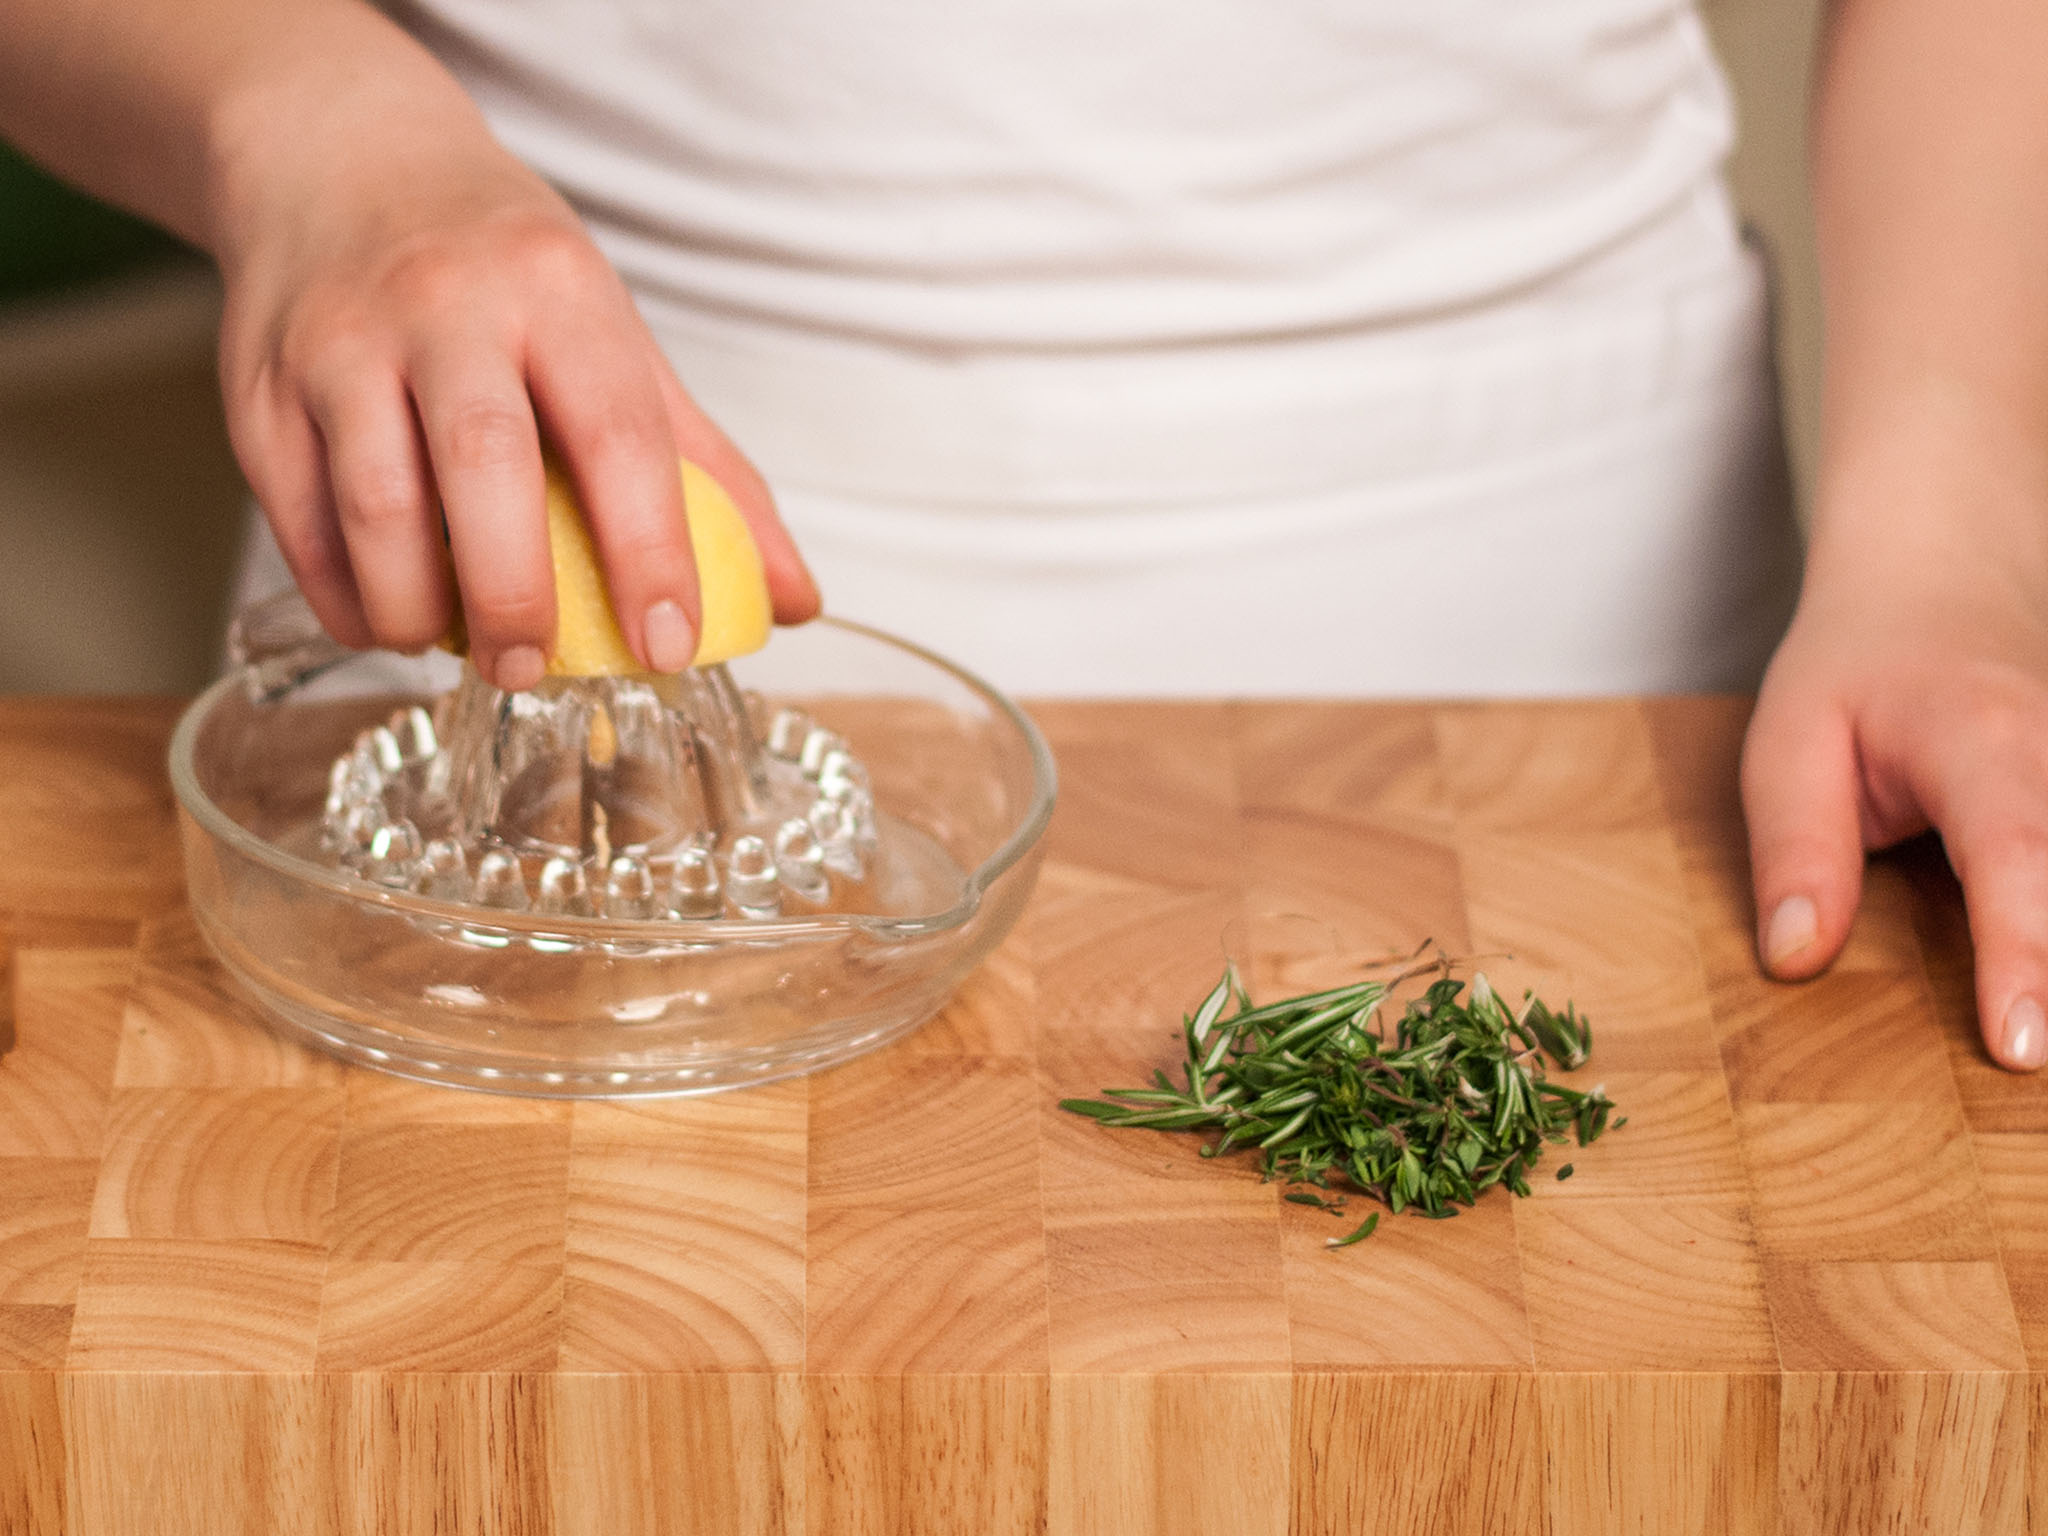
x: 1930, y: 475
x: 310, y: 118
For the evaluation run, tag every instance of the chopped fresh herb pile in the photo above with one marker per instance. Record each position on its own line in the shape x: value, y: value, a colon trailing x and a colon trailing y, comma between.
x: 1454, y: 1103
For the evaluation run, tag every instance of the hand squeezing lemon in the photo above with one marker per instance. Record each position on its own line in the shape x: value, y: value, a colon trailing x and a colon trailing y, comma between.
x: 588, y: 642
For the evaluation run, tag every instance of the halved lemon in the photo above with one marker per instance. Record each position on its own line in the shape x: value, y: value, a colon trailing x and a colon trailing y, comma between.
x: 588, y: 642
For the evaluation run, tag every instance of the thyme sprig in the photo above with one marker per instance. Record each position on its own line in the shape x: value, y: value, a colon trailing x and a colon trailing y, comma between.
x: 1453, y: 1102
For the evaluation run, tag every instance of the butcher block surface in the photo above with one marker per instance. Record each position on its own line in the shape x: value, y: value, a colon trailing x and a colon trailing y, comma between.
x: 1804, y: 1289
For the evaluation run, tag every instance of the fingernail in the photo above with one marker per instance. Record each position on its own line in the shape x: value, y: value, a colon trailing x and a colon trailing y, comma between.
x: 1792, y: 928
x: 2026, y: 1036
x: 671, y: 640
x: 520, y: 668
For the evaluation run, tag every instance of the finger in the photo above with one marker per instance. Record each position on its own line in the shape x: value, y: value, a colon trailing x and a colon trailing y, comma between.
x: 484, y: 452
x: 1994, y: 823
x: 281, y: 456
x: 385, y: 506
x: 1800, y: 795
x: 606, y: 418
x: 791, y: 588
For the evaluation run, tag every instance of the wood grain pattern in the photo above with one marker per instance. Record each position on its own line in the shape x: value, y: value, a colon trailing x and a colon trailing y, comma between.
x: 1476, y: 1464
x: 6, y: 991
x: 685, y: 1235
x: 1804, y: 1292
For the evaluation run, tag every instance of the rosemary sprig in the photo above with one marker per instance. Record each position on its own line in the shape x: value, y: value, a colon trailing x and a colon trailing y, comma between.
x: 1454, y: 1102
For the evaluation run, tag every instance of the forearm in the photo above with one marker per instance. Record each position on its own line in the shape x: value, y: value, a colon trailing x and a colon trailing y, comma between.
x: 1912, y: 688
x: 195, y: 112
x: 1931, y: 192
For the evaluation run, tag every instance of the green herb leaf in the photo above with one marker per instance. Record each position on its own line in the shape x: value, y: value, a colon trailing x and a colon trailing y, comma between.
x: 1211, y: 1009
x: 1094, y: 1109
x: 1357, y: 1235
x: 1304, y: 1197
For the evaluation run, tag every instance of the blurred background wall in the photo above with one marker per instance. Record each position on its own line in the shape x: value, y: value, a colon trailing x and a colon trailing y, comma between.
x: 1768, y: 46
x: 120, y: 503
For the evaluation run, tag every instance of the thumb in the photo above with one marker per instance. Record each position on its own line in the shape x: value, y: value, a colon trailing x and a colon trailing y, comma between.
x: 1799, y: 793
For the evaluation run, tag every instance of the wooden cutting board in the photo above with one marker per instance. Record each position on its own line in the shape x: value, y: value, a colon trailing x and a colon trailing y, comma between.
x: 1804, y: 1290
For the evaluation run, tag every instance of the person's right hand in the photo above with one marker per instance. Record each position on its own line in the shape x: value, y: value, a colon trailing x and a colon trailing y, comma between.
x: 410, y: 312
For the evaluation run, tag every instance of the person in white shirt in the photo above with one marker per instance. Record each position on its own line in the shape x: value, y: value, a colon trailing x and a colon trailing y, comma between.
x: 1148, y: 346
x: 1174, y: 346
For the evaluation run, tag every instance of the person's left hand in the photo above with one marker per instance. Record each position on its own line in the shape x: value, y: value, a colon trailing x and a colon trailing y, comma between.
x: 1911, y: 692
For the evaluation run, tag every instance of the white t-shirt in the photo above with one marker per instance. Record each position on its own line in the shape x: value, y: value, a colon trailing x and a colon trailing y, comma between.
x: 1059, y: 325
x: 1036, y: 174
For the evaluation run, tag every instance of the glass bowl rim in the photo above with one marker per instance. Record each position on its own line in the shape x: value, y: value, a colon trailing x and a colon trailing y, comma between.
x: 1038, y: 813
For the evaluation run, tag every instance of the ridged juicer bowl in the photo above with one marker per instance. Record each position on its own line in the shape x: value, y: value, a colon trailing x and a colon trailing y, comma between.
x: 556, y: 1004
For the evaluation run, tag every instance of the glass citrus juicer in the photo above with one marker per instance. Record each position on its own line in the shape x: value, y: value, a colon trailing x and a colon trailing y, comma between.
x: 606, y: 885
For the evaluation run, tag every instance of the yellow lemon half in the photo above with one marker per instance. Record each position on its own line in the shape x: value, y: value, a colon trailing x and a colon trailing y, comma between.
x: 588, y: 641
